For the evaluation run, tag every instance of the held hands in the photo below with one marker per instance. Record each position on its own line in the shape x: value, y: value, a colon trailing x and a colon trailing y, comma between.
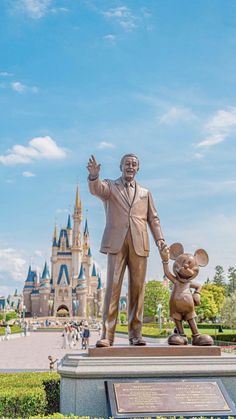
x: 164, y: 251
x: 93, y: 168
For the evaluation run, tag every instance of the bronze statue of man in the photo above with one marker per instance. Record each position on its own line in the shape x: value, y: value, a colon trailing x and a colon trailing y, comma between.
x: 129, y: 208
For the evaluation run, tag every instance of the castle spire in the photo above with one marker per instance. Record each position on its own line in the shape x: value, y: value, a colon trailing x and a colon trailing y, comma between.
x: 69, y: 223
x: 45, y: 274
x: 54, y: 239
x: 77, y: 199
x: 94, y: 272
x: 86, y: 232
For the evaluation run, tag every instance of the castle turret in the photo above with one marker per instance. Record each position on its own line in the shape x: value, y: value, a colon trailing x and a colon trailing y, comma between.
x: 87, y: 255
x: 81, y: 292
x: 69, y: 230
x: 54, y: 254
x: 29, y: 287
x: 76, y: 248
x: 44, y: 292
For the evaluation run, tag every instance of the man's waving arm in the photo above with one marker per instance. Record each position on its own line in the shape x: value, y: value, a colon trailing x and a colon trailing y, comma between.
x: 96, y: 186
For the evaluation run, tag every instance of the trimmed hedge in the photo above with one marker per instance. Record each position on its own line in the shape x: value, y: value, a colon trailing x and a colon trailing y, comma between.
x: 59, y: 416
x: 28, y: 394
x: 225, y: 337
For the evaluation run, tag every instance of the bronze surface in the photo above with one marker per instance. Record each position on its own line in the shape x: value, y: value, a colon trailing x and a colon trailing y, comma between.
x: 129, y: 209
x: 183, y: 300
x: 169, y: 397
x: 150, y: 351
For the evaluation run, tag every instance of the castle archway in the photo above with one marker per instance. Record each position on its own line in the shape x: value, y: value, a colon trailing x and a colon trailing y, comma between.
x: 63, y: 311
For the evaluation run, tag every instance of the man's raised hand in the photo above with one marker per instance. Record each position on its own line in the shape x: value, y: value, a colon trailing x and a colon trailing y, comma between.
x: 93, y: 168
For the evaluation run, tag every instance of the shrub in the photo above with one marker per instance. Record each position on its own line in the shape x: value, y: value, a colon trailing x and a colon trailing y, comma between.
x: 11, y: 315
x: 27, y: 394
x: 59, y: 416
x: 225, y: 337
x: 52, y: 390
x: 122, y: 318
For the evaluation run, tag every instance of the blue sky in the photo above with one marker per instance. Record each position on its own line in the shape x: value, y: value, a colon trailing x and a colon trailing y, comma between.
x: 107, y: 77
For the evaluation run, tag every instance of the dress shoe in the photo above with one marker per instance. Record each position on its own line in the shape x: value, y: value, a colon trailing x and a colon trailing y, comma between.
x: 103, y: 343
x: 137, y: 341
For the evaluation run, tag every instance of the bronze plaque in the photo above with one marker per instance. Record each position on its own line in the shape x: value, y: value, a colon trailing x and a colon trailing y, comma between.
x: 169, y: 397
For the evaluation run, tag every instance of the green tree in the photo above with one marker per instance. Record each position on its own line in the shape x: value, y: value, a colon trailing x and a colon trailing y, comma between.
x: 156, y: 293
x: 208, y: 308
x: 218, y: 294
x: 231, y: 287
x: 228, y: 312
x: 219, y: 277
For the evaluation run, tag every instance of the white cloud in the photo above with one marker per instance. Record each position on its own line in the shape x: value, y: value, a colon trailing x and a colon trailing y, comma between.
x: 59, y: 10
x: 38, y: 253
x: 175, y: 114
x: 198, y: 156
x: 35, y: 9
x: 123, y: 16
x: 111, y: 38
x: 12, y: 264
x: 18, y: 87
x: 39, y: 148
x: 5, y: 74
x: 128, y: 25
x: 104, y: 144
x: 28, y: 174
x: 212, y: 140
x: 219, y: 127
x: 118, y: 12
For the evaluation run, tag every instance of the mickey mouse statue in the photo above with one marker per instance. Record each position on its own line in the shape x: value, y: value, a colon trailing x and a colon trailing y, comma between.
x: 182, y: 300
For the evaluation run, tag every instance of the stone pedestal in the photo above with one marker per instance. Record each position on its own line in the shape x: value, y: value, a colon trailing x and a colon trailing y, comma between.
x: 83, y: 377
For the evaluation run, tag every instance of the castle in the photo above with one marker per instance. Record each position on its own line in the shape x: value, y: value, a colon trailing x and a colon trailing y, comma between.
x: 74, y: 287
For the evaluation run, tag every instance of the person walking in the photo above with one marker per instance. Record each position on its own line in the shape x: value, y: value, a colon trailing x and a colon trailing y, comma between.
x: 86, y: 336
x: 70, y: 336
x: 129, y: 209
x: 7, y: 332
x: 65, y: 338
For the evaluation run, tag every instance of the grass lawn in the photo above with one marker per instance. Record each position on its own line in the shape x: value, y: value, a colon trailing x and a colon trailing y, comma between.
x: 14, y: 329
x: 152, y: 330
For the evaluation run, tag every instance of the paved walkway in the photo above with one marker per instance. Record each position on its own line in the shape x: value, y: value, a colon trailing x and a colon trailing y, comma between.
x: 31, y: 353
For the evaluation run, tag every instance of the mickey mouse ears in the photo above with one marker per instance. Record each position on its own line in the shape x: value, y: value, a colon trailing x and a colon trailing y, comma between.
x: 176, y: 249
x: 201, y: 257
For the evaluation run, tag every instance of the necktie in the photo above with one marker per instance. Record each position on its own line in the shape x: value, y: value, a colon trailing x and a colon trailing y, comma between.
x: 130, y: 191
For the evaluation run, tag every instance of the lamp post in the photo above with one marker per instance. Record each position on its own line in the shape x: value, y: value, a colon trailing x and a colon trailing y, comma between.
x: 159, y: 308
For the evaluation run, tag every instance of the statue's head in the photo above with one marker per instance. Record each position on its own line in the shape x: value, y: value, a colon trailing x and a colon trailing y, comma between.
x: 186, y: 266
x: 129, y: 166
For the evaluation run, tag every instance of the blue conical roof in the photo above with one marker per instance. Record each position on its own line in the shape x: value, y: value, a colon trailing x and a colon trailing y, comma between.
x: 81, y: 273
x: 45, y: 274
x: 69, y: 227
x: 94, y: 272
x: 86, y: 232
x: 89, y: 252
x: 99, y: 287
x: 31, y: 275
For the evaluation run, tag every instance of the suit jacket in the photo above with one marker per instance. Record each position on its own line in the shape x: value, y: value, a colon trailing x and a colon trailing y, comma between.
x: 121, y: 215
